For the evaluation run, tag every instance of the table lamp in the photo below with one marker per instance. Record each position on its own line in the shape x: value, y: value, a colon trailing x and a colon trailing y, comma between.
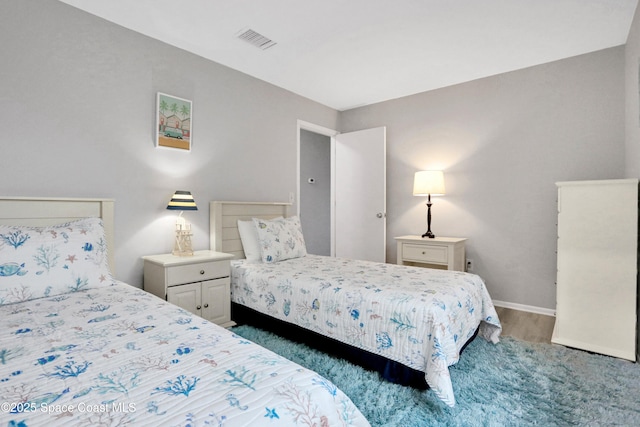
x: 182, y: 201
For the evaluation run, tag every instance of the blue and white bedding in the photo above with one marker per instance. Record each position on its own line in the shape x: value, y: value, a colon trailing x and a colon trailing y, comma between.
x: 415, y: 316
x: 116, y: 355
x: 80, y: 348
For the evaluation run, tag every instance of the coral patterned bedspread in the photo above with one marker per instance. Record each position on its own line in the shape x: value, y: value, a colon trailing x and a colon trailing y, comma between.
x: 116, y: 355
x: 416, y: 316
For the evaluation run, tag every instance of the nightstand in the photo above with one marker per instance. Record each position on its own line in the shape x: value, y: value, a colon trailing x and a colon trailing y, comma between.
x: 199, y: 284
x: 440, y: 252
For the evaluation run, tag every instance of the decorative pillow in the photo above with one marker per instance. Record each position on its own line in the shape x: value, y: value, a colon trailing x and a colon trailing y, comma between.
x: 36, y: 262
x: 249, y: 239
x: 280, y: 239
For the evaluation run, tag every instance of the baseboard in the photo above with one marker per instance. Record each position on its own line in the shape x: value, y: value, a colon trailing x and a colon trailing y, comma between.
x: 522, y: 307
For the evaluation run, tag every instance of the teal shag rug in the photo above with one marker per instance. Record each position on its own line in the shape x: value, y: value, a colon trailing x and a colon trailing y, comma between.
x: 512, y: 383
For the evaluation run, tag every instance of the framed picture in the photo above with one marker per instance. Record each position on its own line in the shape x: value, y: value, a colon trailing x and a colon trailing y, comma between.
x: 173, y: 122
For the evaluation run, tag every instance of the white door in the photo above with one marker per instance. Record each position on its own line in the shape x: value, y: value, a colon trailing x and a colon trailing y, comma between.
x: 360, y: 194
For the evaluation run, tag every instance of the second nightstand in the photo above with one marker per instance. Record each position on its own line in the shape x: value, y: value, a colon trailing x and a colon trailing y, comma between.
x: 200, y: 283
x: 439, y: 252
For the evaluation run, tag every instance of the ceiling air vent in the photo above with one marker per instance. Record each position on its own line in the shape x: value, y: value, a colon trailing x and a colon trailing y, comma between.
x: 256, y: 39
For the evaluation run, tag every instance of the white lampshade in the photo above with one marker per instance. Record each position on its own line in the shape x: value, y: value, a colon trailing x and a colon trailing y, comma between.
x: 427, y: 183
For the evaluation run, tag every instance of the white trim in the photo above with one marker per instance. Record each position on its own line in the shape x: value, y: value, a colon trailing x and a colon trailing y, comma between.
x: 332, y: 197
x: 598, y: 182
x: 528, y: 308
x: 317, y: 128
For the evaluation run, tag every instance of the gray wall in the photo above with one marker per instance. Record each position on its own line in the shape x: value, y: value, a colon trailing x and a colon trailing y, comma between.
x: 79, y: 93
x: 503, y: 142
x: 632, y: 88
x: 315, y: 199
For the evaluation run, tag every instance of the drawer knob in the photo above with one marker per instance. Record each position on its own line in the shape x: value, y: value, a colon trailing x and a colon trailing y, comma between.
x: 423, y: 252
x: 206, y: 305
x: 198, y: 307
x: 201, y: 271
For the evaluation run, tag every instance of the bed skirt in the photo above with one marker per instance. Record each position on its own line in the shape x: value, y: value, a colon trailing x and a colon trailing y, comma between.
x: 390, y: 370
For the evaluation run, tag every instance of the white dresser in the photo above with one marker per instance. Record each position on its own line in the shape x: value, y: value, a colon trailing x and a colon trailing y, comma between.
x: 597, y: 266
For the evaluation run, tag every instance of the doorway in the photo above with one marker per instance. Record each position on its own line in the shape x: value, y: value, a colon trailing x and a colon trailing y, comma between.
x: 356, y: 197
x: 315, y: 191
x: 315, y: 199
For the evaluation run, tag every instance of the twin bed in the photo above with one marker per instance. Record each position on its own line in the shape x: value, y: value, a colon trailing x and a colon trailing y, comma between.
x: 410, y: 323
x: 78, y: 347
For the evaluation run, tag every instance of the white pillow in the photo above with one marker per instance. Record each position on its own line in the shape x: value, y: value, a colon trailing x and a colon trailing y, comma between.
x: 37, y: 262
x: 249, y: 239
x: 280, y: 239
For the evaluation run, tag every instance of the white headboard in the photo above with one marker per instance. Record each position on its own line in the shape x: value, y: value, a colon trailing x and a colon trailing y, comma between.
x: 224, y: 218
x: 42, y: 211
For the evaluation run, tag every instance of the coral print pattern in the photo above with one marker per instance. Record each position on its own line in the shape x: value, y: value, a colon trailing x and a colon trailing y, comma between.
x: 415, y: 316
x: 118, y: 356
x: 78, y: 348
x: 36, y: 262
x: 280, y: 239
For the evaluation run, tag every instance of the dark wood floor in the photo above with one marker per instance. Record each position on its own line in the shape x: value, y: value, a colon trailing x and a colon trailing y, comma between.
x: 526, y: 326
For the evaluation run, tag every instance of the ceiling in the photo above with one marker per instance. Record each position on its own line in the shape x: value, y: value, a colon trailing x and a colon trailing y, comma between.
x: 349, y: 53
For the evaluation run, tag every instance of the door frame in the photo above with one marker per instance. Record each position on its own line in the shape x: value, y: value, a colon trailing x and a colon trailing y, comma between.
x: 331, y: 133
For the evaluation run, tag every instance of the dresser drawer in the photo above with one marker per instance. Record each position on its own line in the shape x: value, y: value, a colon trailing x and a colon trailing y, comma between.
x: 181, y: 274
x: 422, y: 253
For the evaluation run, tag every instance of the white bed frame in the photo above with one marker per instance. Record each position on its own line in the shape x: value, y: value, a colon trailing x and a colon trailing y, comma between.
x: 43, y: 211
x: 224, y: 216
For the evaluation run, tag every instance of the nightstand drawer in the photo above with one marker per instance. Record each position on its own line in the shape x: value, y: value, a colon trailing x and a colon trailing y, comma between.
x: 435, y: 254
x: 181, y: 274
x: 438, y: 252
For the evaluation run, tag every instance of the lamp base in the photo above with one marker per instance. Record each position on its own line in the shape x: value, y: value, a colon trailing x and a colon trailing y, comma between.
x: 183, y: 243
x: 428, y: 234
x: 183, y: 253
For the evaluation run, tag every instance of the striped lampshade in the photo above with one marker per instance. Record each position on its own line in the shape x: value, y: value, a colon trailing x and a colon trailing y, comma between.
x: 182, y: 201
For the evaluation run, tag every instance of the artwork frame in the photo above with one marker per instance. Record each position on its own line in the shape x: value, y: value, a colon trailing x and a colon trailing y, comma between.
x: 174, y: 122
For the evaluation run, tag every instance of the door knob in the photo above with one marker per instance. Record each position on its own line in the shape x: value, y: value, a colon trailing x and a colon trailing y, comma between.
x: 380, y: 215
